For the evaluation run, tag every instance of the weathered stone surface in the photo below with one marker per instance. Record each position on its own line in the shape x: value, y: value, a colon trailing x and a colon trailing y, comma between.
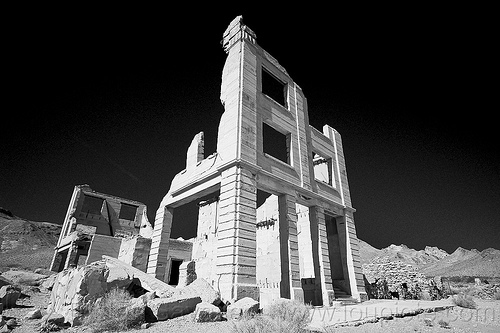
x: 245, y: 306
x: 4, y: 281
x: 191, y: 273
x: 54, y: 319
x: 136, y: 311
x: 9, y: 295
x: 203, y: 289
x: 43, y: 271
x: 12, y: 323
x: 48, y: 283
x: 75, y: 290
x: 207, y: 312
x: 148, y: 282
x: 35, y: 314
x: 23, y: 277
x: 168, y: 308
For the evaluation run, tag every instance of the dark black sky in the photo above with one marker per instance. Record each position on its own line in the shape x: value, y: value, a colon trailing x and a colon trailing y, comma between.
x: 113, y: 99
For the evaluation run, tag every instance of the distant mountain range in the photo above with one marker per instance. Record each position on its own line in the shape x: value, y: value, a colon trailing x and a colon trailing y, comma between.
x: 433, y: 261
x: 29, y: 244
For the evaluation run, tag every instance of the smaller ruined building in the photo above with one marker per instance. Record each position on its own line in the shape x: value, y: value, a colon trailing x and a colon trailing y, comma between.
x: 98, y: 224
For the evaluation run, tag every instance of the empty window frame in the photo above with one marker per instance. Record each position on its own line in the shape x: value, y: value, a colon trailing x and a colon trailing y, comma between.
x: 323, y: 169
x: 127, y: 212
x: 92, y: 205
x: 274, y: 87
x: 275, y: 143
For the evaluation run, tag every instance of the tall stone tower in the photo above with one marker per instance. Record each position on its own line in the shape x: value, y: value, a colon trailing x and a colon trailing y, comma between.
x: 265, y: 143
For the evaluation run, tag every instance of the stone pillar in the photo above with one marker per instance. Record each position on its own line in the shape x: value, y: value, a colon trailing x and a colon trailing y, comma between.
x: 323, y: 280
x: 290, y: 286
x: 72, y: 256
x: 157, y: 262
x: 236, y: 245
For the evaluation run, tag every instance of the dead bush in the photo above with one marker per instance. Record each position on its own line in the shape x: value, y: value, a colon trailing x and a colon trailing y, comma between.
x: 283, y: 316
x: 464, y: 301
x: 111, y: 313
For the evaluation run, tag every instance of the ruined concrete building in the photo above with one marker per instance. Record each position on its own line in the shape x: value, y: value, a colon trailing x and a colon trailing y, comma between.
x: 275, y: 217
x: 98, y: 224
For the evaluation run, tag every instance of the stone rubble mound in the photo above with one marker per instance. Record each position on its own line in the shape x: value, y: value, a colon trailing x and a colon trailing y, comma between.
x: 76, y: 290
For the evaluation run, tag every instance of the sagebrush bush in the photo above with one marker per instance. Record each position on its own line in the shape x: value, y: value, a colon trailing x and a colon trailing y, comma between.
x: 112, y: 313
x: 283, y: 316
x: 464, y: 301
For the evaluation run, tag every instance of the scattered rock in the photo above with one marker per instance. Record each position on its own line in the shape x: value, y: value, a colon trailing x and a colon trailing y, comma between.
x: 203, y: 289
x: 136, y: 311
x: 48, y: 283
x: 24, y: 277
x: 207, y: 312
x: 35, y: 314
x: 245, y: 306
x: 9, y: 295
x: 11, y: 323
x: 53, y: 319
x: 43, y: 271
x: 4, y: 281
x: 168, y: 308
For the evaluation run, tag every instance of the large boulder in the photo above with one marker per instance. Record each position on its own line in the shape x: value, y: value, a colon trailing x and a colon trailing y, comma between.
x: 168, y: 308
x: 9, y: 295
x: 207, y: 312
x: 201, y: 288
x: 75, y: 291
x: 242, y: 307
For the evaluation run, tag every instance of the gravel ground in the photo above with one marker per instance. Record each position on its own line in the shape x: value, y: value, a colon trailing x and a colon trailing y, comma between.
x: 484, y: 319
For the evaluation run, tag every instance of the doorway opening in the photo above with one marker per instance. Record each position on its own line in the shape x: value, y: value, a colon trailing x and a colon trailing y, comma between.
x: 174, y: 272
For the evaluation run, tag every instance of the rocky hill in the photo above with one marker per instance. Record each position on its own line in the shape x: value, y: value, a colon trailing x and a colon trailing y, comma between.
x: 26, y: 244
x: 433, y: 261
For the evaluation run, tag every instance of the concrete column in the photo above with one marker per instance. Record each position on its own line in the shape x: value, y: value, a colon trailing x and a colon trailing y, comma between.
x: 236, y: 245
x: 290, y: 286
x: 321, y: 261
x: 72, y: 256
x: 158, y: 254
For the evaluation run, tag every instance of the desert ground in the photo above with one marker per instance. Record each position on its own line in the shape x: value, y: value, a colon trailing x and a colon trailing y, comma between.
x: 485, y: 318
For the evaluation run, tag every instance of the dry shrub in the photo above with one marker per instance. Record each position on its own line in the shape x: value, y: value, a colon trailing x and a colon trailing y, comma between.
x: 464, y: 301
x: 111, y: 313
x: 283, y: 316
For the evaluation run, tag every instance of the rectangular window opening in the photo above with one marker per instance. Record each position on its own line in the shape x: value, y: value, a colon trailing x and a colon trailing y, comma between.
x: 274, y: 87
x: 127, y: 212
x: 275, y: 143
x: 323, y: 169
x: 92, y: 205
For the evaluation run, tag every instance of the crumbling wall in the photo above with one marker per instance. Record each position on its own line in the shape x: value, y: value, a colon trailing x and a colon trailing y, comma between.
x: 103, y: 245
x: 134, y: 251
x: 384, y: 277
x: 205, y: 243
